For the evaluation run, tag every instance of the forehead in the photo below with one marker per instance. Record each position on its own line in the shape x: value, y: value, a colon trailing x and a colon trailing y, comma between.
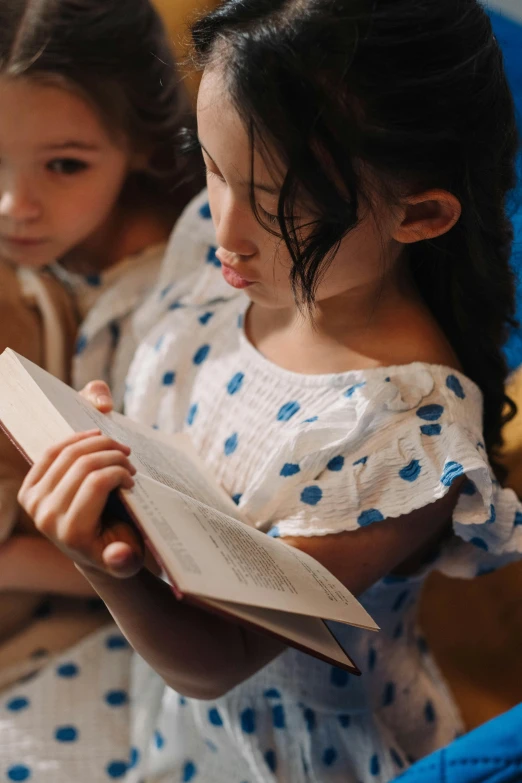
x: 43, y: 114
x: 223, y: 134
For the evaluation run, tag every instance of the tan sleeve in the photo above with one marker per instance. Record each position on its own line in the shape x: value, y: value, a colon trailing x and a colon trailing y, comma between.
x: 20, y: 329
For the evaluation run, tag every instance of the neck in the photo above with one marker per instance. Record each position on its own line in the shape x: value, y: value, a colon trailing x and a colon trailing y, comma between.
x: 355, y: 330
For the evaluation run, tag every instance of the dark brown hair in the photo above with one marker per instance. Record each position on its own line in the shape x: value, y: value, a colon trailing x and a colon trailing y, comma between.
x: 116, y: 55
x: 417, y: 91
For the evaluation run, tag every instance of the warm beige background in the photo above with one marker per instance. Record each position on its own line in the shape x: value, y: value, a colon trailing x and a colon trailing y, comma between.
x: 178, y: 15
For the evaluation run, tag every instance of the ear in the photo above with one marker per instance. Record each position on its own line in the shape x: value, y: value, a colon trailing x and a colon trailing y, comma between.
x: 426, y: 216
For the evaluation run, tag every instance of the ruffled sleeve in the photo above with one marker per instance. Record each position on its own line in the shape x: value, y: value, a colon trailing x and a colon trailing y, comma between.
x: 395, y: 443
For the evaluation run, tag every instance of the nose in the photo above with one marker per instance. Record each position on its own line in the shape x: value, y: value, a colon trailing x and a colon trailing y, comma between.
x: 17, y: 201
x: 235, y: 229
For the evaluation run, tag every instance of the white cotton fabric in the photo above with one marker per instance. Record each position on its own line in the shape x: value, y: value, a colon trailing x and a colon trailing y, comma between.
x: 301, y: 455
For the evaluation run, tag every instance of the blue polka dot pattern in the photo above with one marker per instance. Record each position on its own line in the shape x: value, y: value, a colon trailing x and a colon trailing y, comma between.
x: 388, y: 696
x: 159, y: 740
x: 396, y: 758
x: 311, y: 495
x: 288, y: 410
x: 431, y: 429
x: 116, y: 769
x: 18, y: 704
x: 248, y: 721
x: 375, y: 767
x: 399, y: 629
x: 116, y: 698
x: 191, y: 415
x: 165, y: 291
x: 468, y: 488
x: 492, y: 514
x: 134, y: 758
x: 400, y: 600
x: 329, y: 757
x: 429, y: 712
x: 67, y: 670
x: 278, y: 716
x: 214, y: 717
x: 339, y: 677
x: 453, y: 383
x: 211, y: 257
x: 430, y: 412
x: 116, y: 642
x: 204, y: 212
x: 411, y: 471
x: 237, y: 498
x: 479, y: 542
x: 361, y: 461
x: 289, y: 469
x: 176, y: 305
x: 271, y: 760
x: 169, y: 378
x: 352, y: 389
x: 518, y: 518
x: 309, y: 719
x: 18, y: 772
x: 272, y: 693
x: 372, y: 658
x: 189, y: 772
x: 205, y: 318
x: 201, y: 354
x: 274, y: 532
x: 66, y: 734
x: 231, y: 444
x: 81, y: 344
x: 344, y: 720
x: 93, y: 280
x: 452, y: 470
x: 336, y: 464
x: 159, y: 342
x: 211, y: 746
x: 235, y: 383
x: 369, y: 516
x: 182, y: 700
x: 310, y: 420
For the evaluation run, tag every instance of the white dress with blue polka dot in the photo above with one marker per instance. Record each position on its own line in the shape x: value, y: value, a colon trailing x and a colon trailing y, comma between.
x: 302, y: 455
x: 308, y: 455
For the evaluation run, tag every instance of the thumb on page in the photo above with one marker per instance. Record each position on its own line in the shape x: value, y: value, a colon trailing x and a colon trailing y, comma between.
x: 99, y: 395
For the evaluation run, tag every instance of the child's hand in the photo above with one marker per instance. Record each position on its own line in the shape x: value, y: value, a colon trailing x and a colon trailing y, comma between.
x: 99, y: 395
x: 65, y: 494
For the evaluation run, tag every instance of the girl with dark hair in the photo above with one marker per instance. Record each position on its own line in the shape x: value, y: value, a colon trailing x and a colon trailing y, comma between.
x: 91, y: 182
x: 349, y: 395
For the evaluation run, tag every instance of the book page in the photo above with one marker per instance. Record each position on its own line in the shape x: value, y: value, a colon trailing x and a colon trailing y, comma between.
x: 210, y: 554
x: 306, y: 632
x: 174, y: 464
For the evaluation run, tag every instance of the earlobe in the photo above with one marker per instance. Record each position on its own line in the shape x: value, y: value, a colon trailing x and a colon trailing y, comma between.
x: 427, y: 215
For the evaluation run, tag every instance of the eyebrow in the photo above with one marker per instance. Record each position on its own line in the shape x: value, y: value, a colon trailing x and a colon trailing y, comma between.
x: 272, y: 190
x: 72, y: 145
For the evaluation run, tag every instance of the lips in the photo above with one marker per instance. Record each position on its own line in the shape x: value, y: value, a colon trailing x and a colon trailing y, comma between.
x: 26, y: 241
x: 233, y: 278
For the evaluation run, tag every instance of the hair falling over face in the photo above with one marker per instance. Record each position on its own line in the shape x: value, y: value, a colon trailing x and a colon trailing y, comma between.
x: 417, y: 94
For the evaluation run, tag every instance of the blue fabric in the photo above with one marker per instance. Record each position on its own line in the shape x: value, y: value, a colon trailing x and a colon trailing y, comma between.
x: 509, y: 34
x: 490, y: 754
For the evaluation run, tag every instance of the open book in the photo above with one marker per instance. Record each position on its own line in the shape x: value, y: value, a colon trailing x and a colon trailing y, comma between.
x: 194, y: 529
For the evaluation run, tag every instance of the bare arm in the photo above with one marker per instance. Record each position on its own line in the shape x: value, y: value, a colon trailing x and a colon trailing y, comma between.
x: 196, y: 653
x: 32, y: 564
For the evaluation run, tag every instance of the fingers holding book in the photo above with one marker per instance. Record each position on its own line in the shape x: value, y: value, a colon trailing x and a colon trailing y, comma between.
x: 66, y: 493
